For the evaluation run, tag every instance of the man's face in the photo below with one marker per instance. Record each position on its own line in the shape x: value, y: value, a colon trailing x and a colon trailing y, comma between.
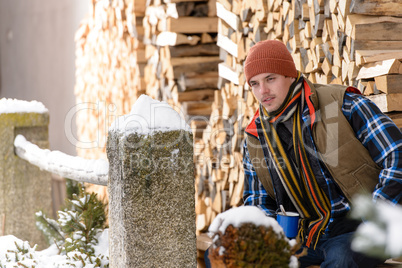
x: 271, y: 89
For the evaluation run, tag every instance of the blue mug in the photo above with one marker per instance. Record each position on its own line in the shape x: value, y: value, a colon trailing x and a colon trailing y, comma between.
x: 289, y: 223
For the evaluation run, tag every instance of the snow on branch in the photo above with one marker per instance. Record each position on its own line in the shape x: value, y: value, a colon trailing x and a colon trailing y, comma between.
x: 67, y: 166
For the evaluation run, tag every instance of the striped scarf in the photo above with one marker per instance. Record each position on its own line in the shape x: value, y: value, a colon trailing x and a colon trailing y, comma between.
x: 297, y: 177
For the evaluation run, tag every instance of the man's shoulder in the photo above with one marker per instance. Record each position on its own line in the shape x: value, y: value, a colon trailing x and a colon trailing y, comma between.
x: 327, y: 88
x: 333, y: 92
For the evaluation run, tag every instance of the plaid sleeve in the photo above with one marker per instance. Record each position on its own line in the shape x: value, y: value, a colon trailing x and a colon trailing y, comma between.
x: 254, y: 193
x: 383, y: 139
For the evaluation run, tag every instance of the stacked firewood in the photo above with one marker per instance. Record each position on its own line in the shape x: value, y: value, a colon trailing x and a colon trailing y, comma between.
x: 182, y: 55
x: 139, y: 11
x: 107, y: 73
x: 353, y: 42
x: 182, y: 69
x: 190, y: 53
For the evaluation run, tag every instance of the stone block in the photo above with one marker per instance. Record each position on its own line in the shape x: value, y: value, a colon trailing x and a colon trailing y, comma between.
x: 24, y: 188
x: 152, y: 200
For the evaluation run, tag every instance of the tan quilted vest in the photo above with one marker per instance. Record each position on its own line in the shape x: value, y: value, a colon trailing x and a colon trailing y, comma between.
x: 345, y: 157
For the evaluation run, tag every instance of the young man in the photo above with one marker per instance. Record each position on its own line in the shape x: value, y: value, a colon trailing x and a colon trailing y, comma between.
x: 311, y: 148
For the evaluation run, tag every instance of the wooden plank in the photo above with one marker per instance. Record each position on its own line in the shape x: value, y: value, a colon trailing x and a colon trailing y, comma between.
x: 230, y: 18
x: 197, y: 108
x: 380, y: 68
x: 228, y: 73
x: 172, y: 39
x: 361, y: 27
x: 389, y: 83
x: 387, y: 102
x: 189, y: 25
x: 209, y: 49
x: 387, y: 31
x: 227, y: 44
x: 194, y: 64
x: 377, y: 7
x: 367, y: 56
x: 190, y: 81
x: 196, y: 95
x: 376, y: 45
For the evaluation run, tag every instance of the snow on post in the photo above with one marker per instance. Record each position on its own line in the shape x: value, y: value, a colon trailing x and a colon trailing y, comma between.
x: 24, y: 188
x: 151, y: 188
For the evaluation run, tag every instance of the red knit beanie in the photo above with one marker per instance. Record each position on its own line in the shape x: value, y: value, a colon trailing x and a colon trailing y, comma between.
x: 269, y: 56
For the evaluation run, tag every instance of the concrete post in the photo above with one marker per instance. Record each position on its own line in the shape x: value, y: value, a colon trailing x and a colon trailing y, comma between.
x: 151, y: 200
x: 24, y: 188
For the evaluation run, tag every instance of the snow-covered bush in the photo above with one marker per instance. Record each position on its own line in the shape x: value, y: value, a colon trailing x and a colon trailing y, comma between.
x: 79, y: 238
x: 380, y: 234
x: 17, y: 253
x: 76, y: 231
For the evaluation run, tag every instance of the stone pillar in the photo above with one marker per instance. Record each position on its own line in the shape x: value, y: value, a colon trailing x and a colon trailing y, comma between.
x: 151, y: 200
x: 24, y: 188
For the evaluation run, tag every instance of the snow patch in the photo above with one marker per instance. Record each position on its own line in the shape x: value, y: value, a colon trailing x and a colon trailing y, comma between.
x: 148, y: 115
x: 244, y: 214
x: 48, y: 258
x: 8, y: 106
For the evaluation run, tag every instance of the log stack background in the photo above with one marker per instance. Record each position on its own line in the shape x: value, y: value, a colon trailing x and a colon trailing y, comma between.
x: 355, y: 43
x: 191, y: 55
x: 181, y: 53
x: 107, y: 74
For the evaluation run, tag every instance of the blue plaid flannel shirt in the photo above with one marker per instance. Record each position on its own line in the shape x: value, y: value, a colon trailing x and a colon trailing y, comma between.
x: 376, y: 131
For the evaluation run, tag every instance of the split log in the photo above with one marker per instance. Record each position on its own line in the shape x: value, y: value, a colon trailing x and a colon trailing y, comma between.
x: 360, y: 27
x: 377, y: 7
x: 374, y: 69
x: 389, y: 84
x: 189, y: 25
x: 387, y: 102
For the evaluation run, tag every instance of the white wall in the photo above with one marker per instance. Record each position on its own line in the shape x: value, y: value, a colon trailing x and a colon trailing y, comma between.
x: 37, y: 58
